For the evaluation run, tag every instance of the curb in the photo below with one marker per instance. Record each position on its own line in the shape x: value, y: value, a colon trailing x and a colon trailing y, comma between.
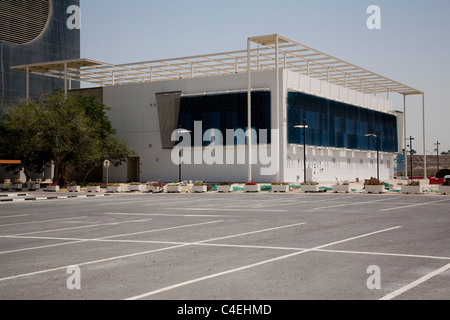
x: 10, y: 195
x: 48, y: 198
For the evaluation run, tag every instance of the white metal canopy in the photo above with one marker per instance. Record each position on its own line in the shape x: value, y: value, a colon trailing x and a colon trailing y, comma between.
x: 291, y: 55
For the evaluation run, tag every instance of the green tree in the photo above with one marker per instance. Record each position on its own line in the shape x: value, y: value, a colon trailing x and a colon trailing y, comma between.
x: 109, y: 147
x: 22, y: 137
x: 68, y: 131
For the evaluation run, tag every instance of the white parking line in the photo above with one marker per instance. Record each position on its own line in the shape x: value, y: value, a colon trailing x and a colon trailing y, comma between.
x: 119, y: 257
x: 252, y: 232
x: 81, y: 227
x: 15, y: 216
x: 182, y: 284
x: 225, y: 209
x: 41, y: 221
x: 42, y: 247
x: 104, y: 239
x: 90, y: 262
x: 414, y: 205
x: 163, y: 229
x: 206, y: 244
x: 170, y: 215
x: 350, y: 204
x: 416, y: 283
x: 285, y: 203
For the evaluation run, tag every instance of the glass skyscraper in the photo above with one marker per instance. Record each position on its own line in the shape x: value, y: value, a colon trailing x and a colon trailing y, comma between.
x: 33, y: 32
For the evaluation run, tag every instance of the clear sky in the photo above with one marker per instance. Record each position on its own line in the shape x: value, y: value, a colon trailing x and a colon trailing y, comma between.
x: 412, y: 47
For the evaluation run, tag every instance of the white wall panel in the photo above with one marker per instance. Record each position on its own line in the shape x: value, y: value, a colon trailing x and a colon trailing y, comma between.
x: 325, y: 89
x: 315, y: 86
x: 305, y: 83
x: 343, y: 92
x: 334, y: 92
x: 352, y: 97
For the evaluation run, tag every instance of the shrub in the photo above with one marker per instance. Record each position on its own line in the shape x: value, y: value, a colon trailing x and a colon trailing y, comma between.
x: 158, y: 184
x: 276, y: 183
x: 113, y: 185
x: 251, y: 183
x: 198, y: 184
x: 413, y: 183
x: 373, y: 182
x: 173, y: 184
x: 226, y: 184
x: 310, y: 183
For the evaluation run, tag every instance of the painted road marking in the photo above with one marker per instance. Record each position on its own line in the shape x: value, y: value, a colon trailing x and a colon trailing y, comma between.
x: 414, y: 205
x: 182, y: 284
x: 113, y: 258
x: 81, y: 227
x: 416, y: 283
x: 41, y: 221
x: 18, y: 215
x: 350, y: 204
x: 170, y: 215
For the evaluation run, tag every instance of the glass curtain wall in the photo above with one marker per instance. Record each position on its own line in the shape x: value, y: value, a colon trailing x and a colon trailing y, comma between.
x: 339, y: 125
x: 226, y: 112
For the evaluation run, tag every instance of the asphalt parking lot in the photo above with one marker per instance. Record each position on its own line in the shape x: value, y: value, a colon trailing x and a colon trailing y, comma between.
x: 227, y: 247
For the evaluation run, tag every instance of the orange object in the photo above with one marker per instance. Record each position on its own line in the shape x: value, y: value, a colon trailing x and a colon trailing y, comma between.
x: 10, y: 162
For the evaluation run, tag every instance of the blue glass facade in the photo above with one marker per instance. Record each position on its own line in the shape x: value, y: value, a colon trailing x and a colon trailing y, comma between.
x: 55, y: 42
x: 339, y: 125
x: 226, y: 112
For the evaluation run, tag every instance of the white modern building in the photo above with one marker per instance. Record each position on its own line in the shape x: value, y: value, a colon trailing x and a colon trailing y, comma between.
x: 352, y: 129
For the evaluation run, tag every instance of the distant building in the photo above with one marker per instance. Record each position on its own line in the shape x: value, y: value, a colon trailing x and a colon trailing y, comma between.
x: 265, y: 93
x: 32, y: 32
x: 418, y: 166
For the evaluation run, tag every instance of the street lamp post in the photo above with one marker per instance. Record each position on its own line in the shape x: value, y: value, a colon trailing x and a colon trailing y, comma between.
x: 437, y: 144
x: 377, y: 141
x: 411, y: 139
x: 304, y: 126
x: 107, y: 164
x: 180, y: 153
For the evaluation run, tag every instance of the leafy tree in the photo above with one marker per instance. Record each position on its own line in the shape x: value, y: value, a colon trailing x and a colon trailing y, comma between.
x: 68, y: 131
x: 108, y: 147
x: 22, y: 137
x: 446, y: 153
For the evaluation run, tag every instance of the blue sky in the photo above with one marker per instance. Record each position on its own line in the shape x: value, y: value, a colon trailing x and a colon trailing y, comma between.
x: 412, y: 47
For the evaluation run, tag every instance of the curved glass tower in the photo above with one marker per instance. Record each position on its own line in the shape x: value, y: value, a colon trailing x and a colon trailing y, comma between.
x: 33, y: 32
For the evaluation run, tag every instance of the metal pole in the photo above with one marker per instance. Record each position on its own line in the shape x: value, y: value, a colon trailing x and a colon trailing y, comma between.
x: 424, y: 139
x: 179, y: 165
x: 437, y: 150
x: 107, y: 178
x: 404, y: 136
x: 249, y: 111
x: 304, y: 150
x: 277, y: 97
x: 378, y: 155
x: 411, y: 154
